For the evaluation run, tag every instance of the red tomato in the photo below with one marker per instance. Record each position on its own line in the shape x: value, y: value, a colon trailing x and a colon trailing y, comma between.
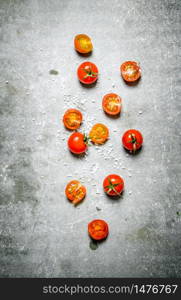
x: 130, y: 71
x: 77, y: 143
x: 72, y: 119
x: 98, y: 229
x: 111, y: 104
x: 132, y: 140
x: 87, y: 72
x: 113, y: 185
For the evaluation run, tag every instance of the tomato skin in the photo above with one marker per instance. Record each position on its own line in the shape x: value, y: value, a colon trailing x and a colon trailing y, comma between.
x: 132, y: 140
x: 75, y: 124
x: 82, y: 73
x: 130, y: 71
x: 116, y: 180
x: 98, y: 230
x: 76, y: 143
x: 83, y: 44
x: 75, y: 191
x: 106, y: 102
x: 99, y: 134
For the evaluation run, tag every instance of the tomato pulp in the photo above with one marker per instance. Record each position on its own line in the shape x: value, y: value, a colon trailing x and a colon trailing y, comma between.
x: 98, y: 229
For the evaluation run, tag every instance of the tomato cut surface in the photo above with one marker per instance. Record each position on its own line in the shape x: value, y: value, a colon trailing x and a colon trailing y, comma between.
x: 113, y: 185
x: 132, y: 140
x: 111, y: 104
x: 72, y: 119
x: 87, y: 72
x: 75, y: 191
x: 98, y: 229
x: 77, y: 143
x: 82, y: 43
x: 130, y: 71
x: 99, y: 133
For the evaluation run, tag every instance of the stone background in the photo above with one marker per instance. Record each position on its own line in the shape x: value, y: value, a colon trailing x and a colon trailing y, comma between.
x: 41, y: 233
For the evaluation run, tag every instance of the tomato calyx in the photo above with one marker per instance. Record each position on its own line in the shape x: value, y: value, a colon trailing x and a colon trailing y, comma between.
x: 86, y: 139
x: 111, y: 187
x: 89, y: 72
x: 133, y: 141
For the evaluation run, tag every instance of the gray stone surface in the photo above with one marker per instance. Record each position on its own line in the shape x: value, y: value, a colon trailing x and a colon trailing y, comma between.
x: 41, y: 233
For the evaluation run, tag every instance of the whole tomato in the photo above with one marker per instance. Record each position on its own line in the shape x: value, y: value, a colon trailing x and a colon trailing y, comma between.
x: 113, y: 185
x: 132, y: 140
x: 77, y: 143
x: 87, y: 72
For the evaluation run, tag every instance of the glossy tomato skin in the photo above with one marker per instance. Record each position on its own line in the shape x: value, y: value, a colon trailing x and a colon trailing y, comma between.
x: 87, y: 72
x: 111, y: 104
x: 113, y: 185
x: 130, y: 71
x: 75, y: 191
x: 99, y: 134
x: 98, y: 230
x: 76, y: 143
x: 72, y: 119
x: 132, y: 140
x: 83, y: 44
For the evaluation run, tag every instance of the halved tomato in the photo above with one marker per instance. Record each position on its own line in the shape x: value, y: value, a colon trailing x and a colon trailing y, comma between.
x: 111, y: 104
x: 72, y: 119
x: 113, y: 185
x: 132, y: 140
x: 75, y: 191
x: 99, y: 133
x: 98, y: 229
x: 82, y: 43
x: 130, y: 71
x: 87, y: 72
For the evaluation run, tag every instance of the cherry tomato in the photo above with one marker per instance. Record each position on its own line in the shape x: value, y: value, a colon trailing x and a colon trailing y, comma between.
x: 113, y: 185
x: 77, y: 143
x: 82, y: 43
x: 75, y: 191
x: 98, y: 229
x: 132, y: 140
x: 72, y: 119
x: 87, y: 72
x: 99, y: 133
x: 130, y: 71
x: 111, y: 104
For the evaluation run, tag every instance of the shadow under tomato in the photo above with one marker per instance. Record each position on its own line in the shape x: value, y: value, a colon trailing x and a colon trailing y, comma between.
x: 115, y: 198
x: 112, y: 116
x: 84, y: 54
x: 79, y: 156
x: 136, y: 153
x: 134, y: 83
x: 88, y: 86
x: 94, y: 244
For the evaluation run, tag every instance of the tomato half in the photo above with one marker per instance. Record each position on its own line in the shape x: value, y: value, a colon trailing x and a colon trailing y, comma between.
x: 113, y: 185
x: 99, y: 134
x: 75, y: 191
x: 72, y: 119
x: 132, y: 140
x: 82, y: 43
x: 87, y: 72
x: 98, y: 229
x: 77, y: 143
x: 130, y: 71
x: 111, y: 104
